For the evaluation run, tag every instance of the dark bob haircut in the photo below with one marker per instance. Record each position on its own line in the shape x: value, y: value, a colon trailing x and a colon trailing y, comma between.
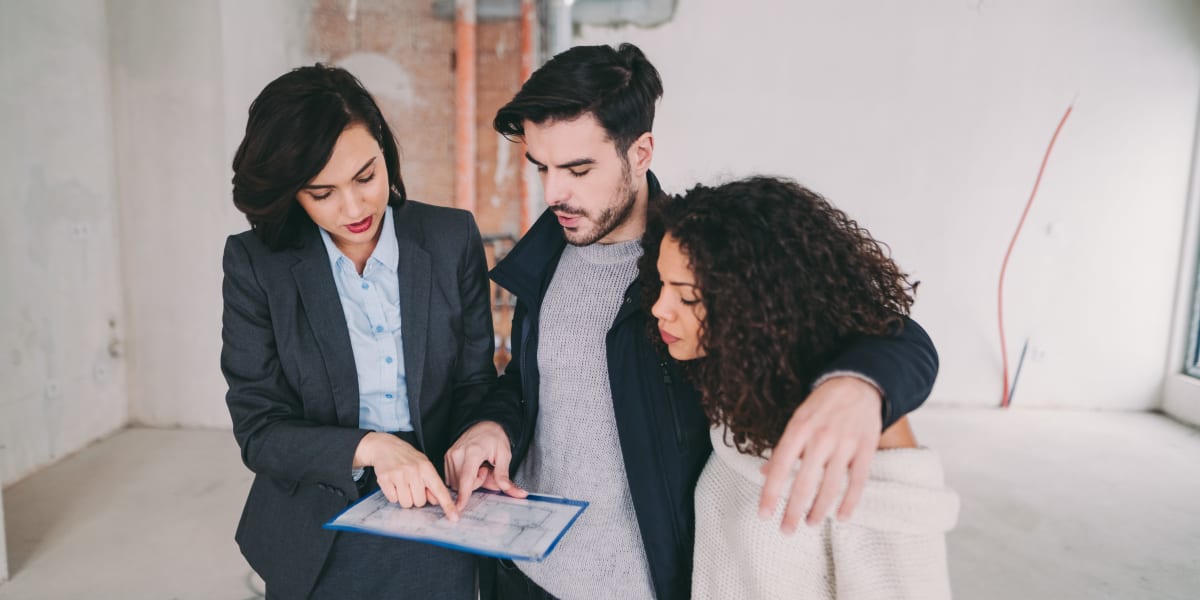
x: 787, y: 281
x: 617, y: 86
x: 292, y: 128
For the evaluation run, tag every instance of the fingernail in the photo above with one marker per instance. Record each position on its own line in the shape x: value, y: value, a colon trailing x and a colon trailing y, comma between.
x: 764, y: 513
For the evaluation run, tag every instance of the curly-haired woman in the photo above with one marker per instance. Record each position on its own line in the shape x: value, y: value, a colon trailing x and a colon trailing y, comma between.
x: 758, y: 283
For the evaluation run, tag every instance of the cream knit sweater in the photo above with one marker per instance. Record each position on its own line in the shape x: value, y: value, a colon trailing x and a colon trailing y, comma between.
x: 893, y: 547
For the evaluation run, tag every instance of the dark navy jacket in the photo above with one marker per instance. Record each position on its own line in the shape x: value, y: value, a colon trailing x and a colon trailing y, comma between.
x: 660, y: 422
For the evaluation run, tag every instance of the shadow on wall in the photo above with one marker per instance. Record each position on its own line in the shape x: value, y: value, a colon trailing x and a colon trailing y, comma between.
x: 1187, y: 18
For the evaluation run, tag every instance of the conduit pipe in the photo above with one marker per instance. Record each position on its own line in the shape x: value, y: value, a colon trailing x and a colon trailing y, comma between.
x: 528, y: 28
x: 560, y: 25
x: 465, y: 141
x: 1006, y: 394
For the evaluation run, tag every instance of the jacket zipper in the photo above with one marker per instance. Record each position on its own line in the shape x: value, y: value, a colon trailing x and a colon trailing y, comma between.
x: 671, y: 402
x: 525, y: 327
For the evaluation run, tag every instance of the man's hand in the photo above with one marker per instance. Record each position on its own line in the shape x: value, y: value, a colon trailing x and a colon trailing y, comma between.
x: 404, y: 473
x: 835, y: 430
x: 480, y: 458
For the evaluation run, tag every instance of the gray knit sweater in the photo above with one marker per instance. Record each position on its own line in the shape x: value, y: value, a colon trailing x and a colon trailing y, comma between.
x: 575, y: 451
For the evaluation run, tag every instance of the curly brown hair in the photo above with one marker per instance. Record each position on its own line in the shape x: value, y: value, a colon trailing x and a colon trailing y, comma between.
x: 786, y: 280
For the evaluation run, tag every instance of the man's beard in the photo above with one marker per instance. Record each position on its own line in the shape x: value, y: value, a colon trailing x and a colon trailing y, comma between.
x: 612, y: 217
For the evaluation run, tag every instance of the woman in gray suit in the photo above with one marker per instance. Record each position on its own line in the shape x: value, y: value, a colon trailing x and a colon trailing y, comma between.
x: 357, y: 334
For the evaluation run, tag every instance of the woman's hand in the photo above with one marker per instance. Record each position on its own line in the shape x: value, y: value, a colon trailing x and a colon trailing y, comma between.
x: 404, y: 473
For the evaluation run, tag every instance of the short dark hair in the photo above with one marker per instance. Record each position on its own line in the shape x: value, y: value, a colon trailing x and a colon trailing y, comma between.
x: 618, y: 86
x: 787, y: 280
x: 292, y: 128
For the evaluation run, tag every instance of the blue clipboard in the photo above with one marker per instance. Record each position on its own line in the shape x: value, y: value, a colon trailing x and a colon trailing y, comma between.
x: 493, y: 524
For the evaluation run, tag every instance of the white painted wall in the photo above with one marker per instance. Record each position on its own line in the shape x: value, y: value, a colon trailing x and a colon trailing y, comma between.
x: 61, y: 319
x: 120, y: 121
x: 927, y: 121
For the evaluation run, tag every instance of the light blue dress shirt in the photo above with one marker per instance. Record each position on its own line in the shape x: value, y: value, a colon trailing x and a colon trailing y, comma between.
x: 371, y: 303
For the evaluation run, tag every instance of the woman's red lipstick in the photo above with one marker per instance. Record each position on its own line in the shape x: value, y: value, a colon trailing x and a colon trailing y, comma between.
x: 668, y: 338
x: 362, y: 225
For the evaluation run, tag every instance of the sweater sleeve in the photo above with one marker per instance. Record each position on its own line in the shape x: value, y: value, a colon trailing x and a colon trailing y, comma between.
x: 903, y: 366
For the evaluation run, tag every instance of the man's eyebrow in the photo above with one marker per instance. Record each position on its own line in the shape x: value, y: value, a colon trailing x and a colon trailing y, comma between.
x: 533, y: 160
x: 579, y: 162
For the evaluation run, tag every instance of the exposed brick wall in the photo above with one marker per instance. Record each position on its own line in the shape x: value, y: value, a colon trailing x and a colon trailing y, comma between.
x: 406, y: 33
x: 404, y: 36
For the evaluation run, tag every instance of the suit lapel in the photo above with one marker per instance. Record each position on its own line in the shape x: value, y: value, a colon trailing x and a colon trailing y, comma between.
x: 318, y: 293
x: 415, y: 275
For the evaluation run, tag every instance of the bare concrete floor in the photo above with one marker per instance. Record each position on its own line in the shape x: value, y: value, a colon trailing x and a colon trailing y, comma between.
x: 146, y: 513
x: 1056, y: 505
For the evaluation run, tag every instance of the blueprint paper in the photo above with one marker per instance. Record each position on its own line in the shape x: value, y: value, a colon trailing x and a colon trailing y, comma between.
x: 492, y: 524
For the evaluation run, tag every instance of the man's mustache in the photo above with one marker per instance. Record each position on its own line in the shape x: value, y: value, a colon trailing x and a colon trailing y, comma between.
x: 569, y: 211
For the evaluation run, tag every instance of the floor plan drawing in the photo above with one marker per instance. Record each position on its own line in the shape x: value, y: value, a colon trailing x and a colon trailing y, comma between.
x: 492, y: 524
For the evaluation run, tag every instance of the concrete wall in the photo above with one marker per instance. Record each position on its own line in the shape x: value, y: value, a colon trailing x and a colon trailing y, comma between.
x: 173, y: 180
x: 927, y: 122
x: 183, y: 76
x: 160, y: 93
x: 62, y: 327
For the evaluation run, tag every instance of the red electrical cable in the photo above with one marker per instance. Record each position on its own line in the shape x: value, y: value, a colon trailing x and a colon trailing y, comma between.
x: 1004, y: 400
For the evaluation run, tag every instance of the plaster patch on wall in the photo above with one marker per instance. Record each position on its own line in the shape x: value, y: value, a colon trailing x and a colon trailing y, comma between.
x: 25, y: 338
x: 65, y: 261
x: 68, y: 205
x: 382, y: 76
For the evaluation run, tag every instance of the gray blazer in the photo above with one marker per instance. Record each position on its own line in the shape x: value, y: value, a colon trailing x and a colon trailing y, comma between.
x: 293, y: 388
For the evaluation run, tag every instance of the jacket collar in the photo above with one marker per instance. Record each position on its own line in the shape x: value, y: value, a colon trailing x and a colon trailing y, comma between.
x: 313, y: 274
x: 318, y: 293
x: 526, y: 270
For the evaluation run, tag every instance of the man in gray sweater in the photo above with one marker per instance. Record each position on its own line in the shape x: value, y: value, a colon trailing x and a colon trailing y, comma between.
x: 589, y: 407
